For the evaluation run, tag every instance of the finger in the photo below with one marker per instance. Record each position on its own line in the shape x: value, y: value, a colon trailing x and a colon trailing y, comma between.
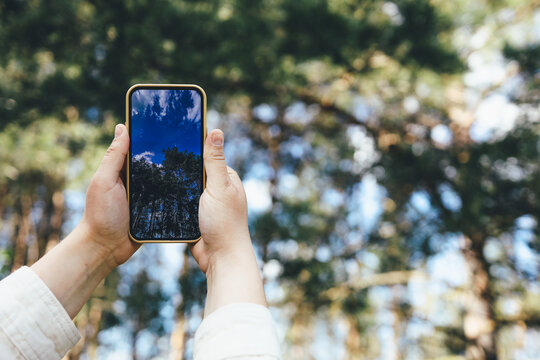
x: 115, y: 157
x: 214, y: 161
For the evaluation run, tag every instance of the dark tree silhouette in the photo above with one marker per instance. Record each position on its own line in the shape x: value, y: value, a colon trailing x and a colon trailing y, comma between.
x: 165, y: 197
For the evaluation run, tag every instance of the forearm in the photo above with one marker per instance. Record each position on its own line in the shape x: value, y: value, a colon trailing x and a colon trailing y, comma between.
x: 234, y: 278
x: 74, y: 268
x: 237, y: 324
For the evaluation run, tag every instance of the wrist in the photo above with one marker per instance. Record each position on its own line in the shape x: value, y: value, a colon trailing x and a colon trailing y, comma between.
x: 233, y: 276
x: 73, y: 269
x: 232, y: 260
x: 236, y: 252
x: 93, y: 248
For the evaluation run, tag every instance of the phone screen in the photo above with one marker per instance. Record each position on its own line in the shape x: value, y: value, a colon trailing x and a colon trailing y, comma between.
x: 165, y: 162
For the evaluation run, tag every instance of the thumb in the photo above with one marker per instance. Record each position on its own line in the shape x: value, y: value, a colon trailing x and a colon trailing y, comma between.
x: 214, y: 161
x: 114, y: 158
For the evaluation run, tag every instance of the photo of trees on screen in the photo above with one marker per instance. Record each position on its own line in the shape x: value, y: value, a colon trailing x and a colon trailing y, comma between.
x: 166, y: 164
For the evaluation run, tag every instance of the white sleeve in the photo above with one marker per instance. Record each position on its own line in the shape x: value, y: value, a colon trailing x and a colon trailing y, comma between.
x: 33, y: 323
x: 237, y: 331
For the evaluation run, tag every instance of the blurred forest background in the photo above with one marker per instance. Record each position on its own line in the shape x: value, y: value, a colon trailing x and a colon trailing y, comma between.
x: 389, y: 151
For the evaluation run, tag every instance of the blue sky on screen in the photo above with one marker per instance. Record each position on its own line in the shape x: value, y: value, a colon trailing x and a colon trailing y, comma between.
x: 156, y: 125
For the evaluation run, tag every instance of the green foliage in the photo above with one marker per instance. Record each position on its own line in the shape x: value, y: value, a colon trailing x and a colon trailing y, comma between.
x: 193, y: 285
x: 143, y: 304
x: 356, y: 90
x: 528, y: 58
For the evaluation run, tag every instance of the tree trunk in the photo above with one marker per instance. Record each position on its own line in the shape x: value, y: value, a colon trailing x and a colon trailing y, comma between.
x: 398, y: 317
x: 43, y: 227
x: 300, y: 333
x: 22, y: 233
x: 94, y: 322
x: 152, y: 218
x: 479, y: 322
x: 3, y: 195
x: 353, y: 342
x: 32, y: 243
x: 163, y: 221
x: 136, y: 205
x: 137, y: 217
x: 53, y: 237
x: 134, y: 335
x: 178, y: 336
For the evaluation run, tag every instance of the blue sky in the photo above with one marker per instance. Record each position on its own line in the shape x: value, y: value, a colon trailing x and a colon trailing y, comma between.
x: 162, y: 119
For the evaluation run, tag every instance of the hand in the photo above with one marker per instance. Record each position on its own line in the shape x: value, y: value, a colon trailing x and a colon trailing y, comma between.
x: 100, y: 242
x: 222, y: 210
x: 106, y: 215
x: 225, y: 253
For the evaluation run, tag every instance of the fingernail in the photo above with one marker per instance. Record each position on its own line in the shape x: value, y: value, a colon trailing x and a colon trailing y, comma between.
x: 217, y: 139
x: 118, y: 131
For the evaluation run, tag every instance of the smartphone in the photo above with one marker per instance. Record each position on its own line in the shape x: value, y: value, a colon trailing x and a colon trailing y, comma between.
x: 165, y: 172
